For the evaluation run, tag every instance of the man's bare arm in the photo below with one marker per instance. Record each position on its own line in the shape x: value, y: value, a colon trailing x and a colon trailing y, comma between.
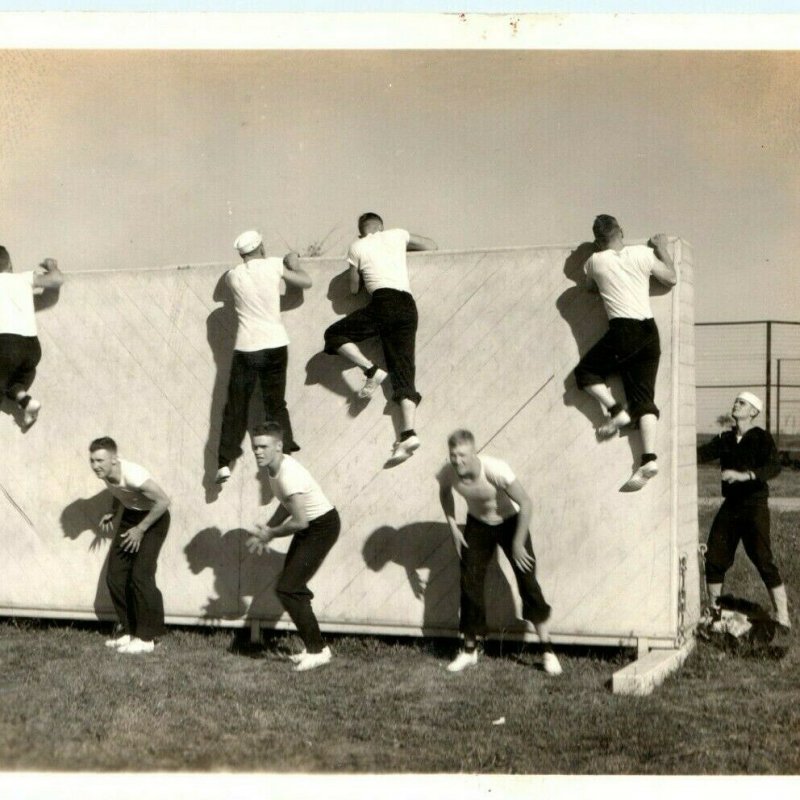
x: 293, y: 275
x: 416, y: 242
x: 664, y: 272
x: 53, y: 277
x: 354, y: 276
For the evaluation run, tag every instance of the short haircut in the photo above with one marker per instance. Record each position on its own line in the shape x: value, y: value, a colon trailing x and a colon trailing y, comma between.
x: 272, y: 429
x: 368, y: 217
x: 460, y: 436
x: 103, y: 443
x: 605, y: 227
x: 5, y: 258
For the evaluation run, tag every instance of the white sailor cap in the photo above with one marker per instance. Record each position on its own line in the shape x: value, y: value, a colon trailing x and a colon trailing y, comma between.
x: 754, y: 401
x: 247, y: 242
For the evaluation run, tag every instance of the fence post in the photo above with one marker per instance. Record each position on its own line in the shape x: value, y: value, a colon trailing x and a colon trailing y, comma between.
x: 768, y: 418
x: 778, y: 407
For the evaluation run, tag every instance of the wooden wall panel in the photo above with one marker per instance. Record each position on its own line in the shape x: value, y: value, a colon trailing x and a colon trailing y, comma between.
x: 143, y: 355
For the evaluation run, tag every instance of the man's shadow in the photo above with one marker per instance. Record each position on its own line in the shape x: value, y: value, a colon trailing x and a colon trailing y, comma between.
x: 238, y: 575
x: 327, y: 370
x: 83, y: 516
x: 221, y: 325
x: 418, y: 547
x: 42, y: 300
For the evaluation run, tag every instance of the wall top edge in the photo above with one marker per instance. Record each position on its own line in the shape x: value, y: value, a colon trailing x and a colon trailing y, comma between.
x: 341, y: 258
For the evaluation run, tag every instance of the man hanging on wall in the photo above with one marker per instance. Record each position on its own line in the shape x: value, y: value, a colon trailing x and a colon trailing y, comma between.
x: 261, y: 350
x: 379, y: 257
x: 307, y: 515
x: 20, y: 350
x: 748, y: 459
x: 630, y: 347
x: 131, y: 577
x: 498, y: 515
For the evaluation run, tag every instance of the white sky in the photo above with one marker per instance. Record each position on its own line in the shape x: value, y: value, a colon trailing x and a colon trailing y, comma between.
x: 122, y: 159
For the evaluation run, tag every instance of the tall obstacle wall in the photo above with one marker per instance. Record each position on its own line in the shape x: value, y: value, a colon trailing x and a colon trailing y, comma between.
x: 143, y: 356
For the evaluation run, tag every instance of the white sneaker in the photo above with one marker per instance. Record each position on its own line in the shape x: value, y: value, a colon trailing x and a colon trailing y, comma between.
x: 31, y: 412
x: 371, y: 384
x: 463, y: 660
x: 296, y: 658
x: 402, y: 451
x: 612, y: 426
x: 223, y: 474
x: 314, y: 660
x: 640, y: 477
x: 121, y: 641
x: 551, y: 665
x: 137, y: 646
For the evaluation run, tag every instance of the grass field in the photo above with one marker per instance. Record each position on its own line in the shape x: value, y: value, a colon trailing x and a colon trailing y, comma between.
x: 207, y: 700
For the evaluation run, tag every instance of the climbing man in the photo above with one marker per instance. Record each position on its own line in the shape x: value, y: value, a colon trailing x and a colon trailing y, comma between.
x: 379, y: 257
x: 621, y: 275
x: 748, y: 459
x: 498, y: 514
x: 20, y: 351
x: 131, y: 577
x: 307, y: 515
x: 261, y: 351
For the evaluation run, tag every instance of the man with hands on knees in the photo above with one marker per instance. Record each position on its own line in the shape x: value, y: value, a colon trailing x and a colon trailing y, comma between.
x: 132, y: 562
x: 307, y: 515
x: 499, y: 512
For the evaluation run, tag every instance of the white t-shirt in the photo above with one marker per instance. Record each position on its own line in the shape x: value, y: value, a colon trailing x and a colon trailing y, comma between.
x: 486, y: 497
x: 294, y: 478
x: 381, y: 259
x: 256, y: 287
x: 16, y: 303
x: 129, y: 489
x: 623, y: 280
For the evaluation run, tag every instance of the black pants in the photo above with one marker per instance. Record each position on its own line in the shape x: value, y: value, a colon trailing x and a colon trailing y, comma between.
x: 19, y: 356
x: 481, y: 542
x: 747, y: 521
x: 131, y: 578
x: 392, y: 316
x: 632, y: 349
x: 269, y: 368
x: 304, y: 557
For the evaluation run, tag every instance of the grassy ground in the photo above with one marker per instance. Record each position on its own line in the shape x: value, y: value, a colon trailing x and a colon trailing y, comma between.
x: 209, y: 701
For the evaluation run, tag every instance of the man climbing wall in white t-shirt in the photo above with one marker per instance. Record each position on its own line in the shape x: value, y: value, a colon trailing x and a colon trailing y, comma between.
x: 20, y: 350
x: 379, y: 257
x: 631, y: 346
x: 261, y: 351
x: 498, y: 515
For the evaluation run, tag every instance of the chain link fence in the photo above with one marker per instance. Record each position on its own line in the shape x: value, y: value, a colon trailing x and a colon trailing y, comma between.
x: 760, y: 356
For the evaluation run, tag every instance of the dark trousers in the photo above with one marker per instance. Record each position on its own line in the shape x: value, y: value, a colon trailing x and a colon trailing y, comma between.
x: 304, y: 557
x: 269, y: 368
x: 392, y: 316
x: 19, y: 356
x: 748, y: 522
x: 481, y: 542
x: 131, y: 578
x: 632, y: 349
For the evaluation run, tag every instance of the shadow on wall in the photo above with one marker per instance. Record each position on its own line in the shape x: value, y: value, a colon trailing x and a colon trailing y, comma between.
x: 238, y: 575
x: 221, y: 325
x: 418, y: 547
x: 327, y: 370
x: 83, y: 516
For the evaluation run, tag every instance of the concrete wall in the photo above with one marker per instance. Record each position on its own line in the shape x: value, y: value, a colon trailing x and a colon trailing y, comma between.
x: 143, y: 356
